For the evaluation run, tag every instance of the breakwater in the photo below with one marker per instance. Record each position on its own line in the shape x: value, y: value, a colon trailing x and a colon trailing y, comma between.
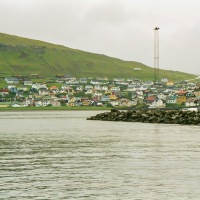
x: 150, y: 116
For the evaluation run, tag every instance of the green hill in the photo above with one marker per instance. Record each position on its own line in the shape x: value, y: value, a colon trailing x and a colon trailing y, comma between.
x: 23, y: 56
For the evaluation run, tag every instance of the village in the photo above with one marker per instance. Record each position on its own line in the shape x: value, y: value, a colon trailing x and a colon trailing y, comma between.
x: 65, y: 90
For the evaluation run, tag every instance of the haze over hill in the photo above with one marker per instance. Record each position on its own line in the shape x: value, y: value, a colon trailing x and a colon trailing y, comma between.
x: 25, y: 56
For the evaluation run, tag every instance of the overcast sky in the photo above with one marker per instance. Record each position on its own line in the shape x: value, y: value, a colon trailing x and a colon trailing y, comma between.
x: 117, y: 28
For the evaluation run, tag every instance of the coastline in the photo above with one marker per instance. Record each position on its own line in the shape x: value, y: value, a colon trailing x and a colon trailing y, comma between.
x: 10, y: 109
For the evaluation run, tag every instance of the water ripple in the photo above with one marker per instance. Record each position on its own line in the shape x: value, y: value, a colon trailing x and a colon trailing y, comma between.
x: 51, y: 155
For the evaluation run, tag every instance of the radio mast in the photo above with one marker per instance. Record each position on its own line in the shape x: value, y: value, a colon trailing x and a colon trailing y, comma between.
x: 156, y: 54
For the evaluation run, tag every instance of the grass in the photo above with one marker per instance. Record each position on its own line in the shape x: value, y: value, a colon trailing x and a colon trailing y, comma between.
x: 25, y: 56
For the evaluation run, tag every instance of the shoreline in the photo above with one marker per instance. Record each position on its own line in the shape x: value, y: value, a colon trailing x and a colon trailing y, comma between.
x: 25, y: 109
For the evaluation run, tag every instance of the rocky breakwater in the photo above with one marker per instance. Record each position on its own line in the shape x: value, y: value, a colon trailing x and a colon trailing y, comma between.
x: 150, y: 116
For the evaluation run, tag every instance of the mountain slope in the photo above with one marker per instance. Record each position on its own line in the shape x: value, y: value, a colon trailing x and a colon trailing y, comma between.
x: 25, y: 56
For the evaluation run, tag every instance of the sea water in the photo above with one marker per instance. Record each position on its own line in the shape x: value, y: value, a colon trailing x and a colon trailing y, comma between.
x: 61, y: 155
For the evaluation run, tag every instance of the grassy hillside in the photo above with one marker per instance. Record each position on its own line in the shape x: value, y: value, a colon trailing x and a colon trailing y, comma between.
x: 25, y: 56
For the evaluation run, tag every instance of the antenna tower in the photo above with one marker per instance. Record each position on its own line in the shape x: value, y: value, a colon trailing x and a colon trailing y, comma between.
x: 156, y: 54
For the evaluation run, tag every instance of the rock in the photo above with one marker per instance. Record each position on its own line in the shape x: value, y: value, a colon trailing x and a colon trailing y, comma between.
x: 150, y: 116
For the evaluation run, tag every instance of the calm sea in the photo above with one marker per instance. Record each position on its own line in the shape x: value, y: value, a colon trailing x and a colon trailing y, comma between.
x: 61, y: 155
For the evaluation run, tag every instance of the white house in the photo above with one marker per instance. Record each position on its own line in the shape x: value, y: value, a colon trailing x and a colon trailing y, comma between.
x: 83, y: 80
x: 28, y: 82
x: 11, y: 80
x: 98, y: 94
x: 157, y: 104
x: 11, y: 86
x: 104, y: 88
x: 43, y: 92
x: 115, y: 89
x: 46, y: 102
x: 97, y: 87
x: 88, y: 87
x: 115, y: 103
x: 89, y: 91
x: 23, y: 88
x: 95, y: 82
x: 79, y: 88
x: 37, y: 86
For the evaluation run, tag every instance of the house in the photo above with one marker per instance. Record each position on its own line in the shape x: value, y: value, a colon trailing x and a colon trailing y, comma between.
x: 190, y: 102
x: 11, y: 86
x: 181, y: 99
x: 72, y: 82
x: 131, y: 87
x: 93, y: 103
x: 28, y: 82
x: 23, y: 88
x: 95, y: 82
x: 105, y: 99
x: 157, y: 104
x: 190, y: 94
x: 4, y: 91
x: 37, y: 86
x: 15, y: 105
x: 150, y: 99
x: 27, y: 102
x: 143, y: 87
x: 137, y: 87
x: 137, y: 69
x: 83, y: 80
x: 46, y: 102
x: 148, y: 83
x: 70, y: 90
x: 107, y: 92
x: 98, y: 94
x: 79, y: 88
x: 102, y: 78
x: 113, y: 97
x: 88, y: 87
x: 164, y: 80
x: 197, y: 92
x: 77, y: 101
x: 97, y: 87
x: 118, y: 79
x: 115, y: 103
x: 127, y: 102
x: 37, y: 103
x: 139, y: 99
x: 181, y: 93
x: 121, y: 83
x: 19, y: 94
x: 171, y: 99
x: 12, y: 80
x: 54, y: 89
x: 170, y: 83
x: 115, y: 89
x: 89, y: 91
x: 71, y: 102
x: 43, y: 92
x: 104, y: 88
x: 86, y: 102
x: 13, y: 90
x: 55, y: 103
x: 161, y: 96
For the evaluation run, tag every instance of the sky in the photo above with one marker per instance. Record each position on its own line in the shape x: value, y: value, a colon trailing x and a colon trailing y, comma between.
x: 118, y: 28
